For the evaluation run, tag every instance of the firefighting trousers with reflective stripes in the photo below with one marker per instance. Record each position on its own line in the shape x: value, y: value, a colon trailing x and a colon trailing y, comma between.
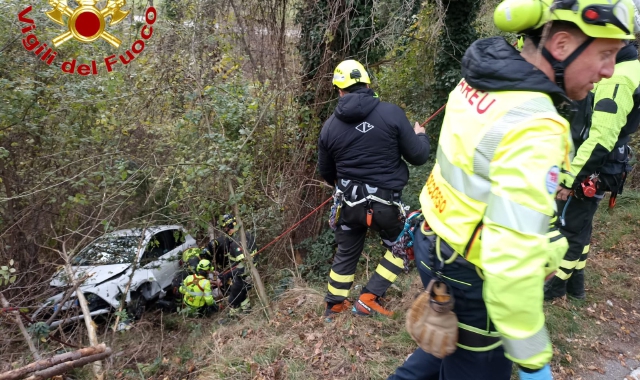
x: 578, y: 224
x: 350, y: 235
x: 480, y: 353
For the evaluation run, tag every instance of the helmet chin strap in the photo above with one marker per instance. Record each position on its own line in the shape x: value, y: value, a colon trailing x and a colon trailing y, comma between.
x: 560, y: 67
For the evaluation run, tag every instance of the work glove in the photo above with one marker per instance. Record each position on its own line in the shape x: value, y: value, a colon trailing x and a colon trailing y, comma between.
x: 543, y: 373
x: 431, y: 321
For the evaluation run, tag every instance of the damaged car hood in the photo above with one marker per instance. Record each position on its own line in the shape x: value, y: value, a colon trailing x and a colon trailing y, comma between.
x: 98, y: 274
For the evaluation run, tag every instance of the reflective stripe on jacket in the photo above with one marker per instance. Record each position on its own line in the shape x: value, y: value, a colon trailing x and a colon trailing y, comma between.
x: 197, y: 291
x: 490, y: 197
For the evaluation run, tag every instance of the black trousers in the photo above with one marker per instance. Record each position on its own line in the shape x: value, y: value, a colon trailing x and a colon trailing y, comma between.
x: 239, y: 288
x: 470, y: 310
x: 462, y: 364
x: 350, y: 236
x: 577, y: 215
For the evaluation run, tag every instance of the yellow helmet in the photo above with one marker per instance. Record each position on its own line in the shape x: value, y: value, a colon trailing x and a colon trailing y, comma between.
x: 204, y: 265
x: 596, y: 18
x: 348, y: 73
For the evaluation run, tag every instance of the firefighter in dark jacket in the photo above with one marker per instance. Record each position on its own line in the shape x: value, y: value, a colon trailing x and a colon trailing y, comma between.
x: 229, y: 246
x: 601, y: 132
x: 360, y: 152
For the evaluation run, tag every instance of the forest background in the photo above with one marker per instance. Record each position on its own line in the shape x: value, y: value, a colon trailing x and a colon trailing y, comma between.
x: 224, y: 90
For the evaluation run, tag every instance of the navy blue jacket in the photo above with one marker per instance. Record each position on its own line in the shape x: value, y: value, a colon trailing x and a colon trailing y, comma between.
x: 365, y: 140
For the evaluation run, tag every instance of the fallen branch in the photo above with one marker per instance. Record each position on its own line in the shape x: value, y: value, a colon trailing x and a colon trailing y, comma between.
x: 64, y: 367
x: 19, y: 373
x: 23, y: 330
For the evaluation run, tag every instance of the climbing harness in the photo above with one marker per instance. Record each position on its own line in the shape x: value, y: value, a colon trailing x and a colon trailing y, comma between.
x: 354, y: 193
x: 403, y: 246
x: 338, y: 199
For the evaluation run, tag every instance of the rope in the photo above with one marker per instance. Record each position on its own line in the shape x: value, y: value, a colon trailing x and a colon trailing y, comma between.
x: 284, y: 233
x: 433, y: 116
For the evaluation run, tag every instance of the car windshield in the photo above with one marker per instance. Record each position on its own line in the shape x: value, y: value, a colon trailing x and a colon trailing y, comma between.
x: 109, y: 250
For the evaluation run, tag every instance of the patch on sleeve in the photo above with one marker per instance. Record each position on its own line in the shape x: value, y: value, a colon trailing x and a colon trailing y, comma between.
x: 552, y: 179
x: 606, y: 105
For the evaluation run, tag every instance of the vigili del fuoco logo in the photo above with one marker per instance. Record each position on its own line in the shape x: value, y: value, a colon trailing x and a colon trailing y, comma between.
x: 86, y: 23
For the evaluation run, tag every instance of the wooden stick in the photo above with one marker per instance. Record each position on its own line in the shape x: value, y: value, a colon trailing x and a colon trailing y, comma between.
x: 50, y: 362
x: 64, y: 367
x: 91, y: 330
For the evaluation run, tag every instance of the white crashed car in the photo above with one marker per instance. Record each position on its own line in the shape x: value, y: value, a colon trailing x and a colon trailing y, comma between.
x: 107, y: 264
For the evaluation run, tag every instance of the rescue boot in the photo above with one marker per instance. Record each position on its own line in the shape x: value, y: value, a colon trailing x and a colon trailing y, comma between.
x: 369, y: 304
x: 555, y: 288
x: 575, y: 285
x: 336, y: 308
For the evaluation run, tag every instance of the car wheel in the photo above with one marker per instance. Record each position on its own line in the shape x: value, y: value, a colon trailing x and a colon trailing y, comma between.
x: 136, y: 306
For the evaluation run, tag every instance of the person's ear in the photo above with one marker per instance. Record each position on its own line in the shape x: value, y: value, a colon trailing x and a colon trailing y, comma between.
x: 561, y: 45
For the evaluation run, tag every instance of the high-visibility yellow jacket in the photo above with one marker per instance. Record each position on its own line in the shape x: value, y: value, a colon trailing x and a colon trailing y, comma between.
x: 491, y: 196
x: 189, y: 253
x: 197, y: 291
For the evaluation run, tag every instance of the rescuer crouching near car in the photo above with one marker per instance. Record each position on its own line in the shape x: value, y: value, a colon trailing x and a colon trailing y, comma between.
x: 198, y: 296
